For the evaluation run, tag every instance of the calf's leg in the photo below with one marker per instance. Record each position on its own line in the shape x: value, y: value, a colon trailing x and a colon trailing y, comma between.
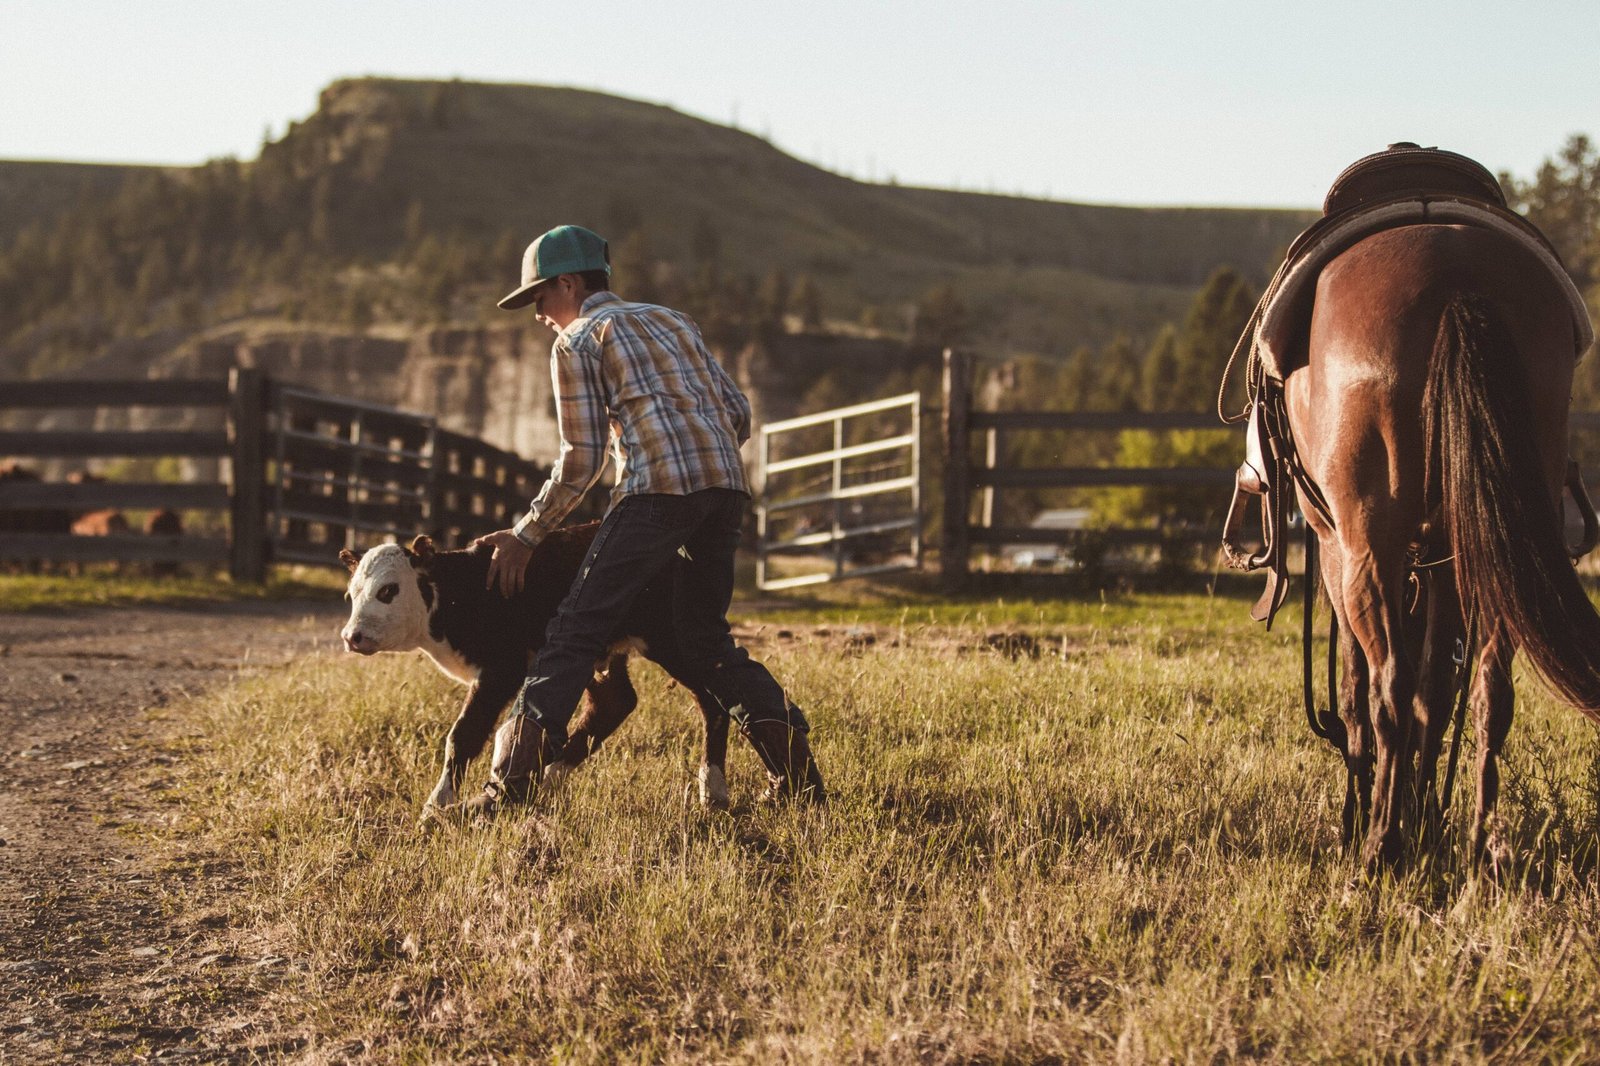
x: 485, y: 700
x: 714, y: 762
x: 609, y: 699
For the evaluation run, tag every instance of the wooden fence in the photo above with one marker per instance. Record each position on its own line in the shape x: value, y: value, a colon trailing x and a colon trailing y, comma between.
x: 970, y: 484
x: 968, y: 480
x: 299, y: 475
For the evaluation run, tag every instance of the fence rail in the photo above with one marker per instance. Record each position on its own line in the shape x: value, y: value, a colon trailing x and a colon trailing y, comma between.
x: 966, y: 479
x: 970, y: 486
x: 300, y: 474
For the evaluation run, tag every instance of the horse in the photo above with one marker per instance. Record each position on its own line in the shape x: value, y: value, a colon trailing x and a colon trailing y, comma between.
x: 1429, y: 420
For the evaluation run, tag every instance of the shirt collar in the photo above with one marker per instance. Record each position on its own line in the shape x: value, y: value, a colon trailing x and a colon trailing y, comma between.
x: 593, y: 302
x: 595, y: 299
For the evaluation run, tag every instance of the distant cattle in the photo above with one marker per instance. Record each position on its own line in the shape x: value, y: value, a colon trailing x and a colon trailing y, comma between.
x: 420, y: 598
x: 28, y: 519
x: 100, y: 524
x: 163, y: 523
x: 63, y: 521
x: 95, y: 523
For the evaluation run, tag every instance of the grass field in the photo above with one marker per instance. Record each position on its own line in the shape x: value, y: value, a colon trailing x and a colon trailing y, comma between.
x: 1123, y: 848
x: 106, y: 587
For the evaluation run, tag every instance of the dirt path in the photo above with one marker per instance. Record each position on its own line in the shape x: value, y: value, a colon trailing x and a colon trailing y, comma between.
x: 96, y: 964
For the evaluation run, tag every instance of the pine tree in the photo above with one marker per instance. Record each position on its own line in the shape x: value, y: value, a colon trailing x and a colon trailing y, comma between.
x: 940, y: 318
x: 413, y: 227
x: 1563, y: 200
x: 623, y: 218
x: 322, y: 211
x: 773, y: 299
x: 1121, y: 377
x: 705, y: 245
x: 155, y: 275
x: 1216, y: 317
x: 807, y: 302
x: 1161, y: 368
x: 1079, y: 380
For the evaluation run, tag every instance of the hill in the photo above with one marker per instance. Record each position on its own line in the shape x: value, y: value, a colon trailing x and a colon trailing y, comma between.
x: 401, y: 205
x: 39, y: 193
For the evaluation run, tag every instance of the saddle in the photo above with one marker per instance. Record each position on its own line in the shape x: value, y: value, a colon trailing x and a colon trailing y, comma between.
x: 1403, y: 185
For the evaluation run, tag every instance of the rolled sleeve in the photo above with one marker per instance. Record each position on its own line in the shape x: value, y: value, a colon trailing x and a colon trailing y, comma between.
x: 584, y: 427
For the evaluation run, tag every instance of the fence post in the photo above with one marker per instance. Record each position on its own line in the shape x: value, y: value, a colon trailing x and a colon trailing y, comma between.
x: 434, y: 504
x: 956, y: 546
x: 247, y: 389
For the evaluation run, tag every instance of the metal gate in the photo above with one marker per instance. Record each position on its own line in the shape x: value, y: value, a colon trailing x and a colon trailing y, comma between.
x: 841, y: 494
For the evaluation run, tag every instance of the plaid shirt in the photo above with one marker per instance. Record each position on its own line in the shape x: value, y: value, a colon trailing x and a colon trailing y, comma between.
x: 641, y: 375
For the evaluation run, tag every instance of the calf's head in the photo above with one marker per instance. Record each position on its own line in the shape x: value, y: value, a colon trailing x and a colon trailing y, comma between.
x: 391, y: 597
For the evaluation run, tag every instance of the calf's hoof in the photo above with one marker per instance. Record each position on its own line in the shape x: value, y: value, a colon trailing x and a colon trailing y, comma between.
x: 435, y: 817
x: 713, y: 788
x: 787, y: 790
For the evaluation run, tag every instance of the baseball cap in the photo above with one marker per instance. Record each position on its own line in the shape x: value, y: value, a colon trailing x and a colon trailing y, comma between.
x: 563, y: 250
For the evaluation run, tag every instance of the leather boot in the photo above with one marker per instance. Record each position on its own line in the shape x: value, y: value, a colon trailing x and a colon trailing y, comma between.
x: 518, y: 745
x: 791, y: 770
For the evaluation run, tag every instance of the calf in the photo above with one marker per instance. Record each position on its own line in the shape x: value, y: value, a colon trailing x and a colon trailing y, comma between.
x: 29, y: 519
x: 99, y: 524
x: 163, y: 523
x: 435, y: 601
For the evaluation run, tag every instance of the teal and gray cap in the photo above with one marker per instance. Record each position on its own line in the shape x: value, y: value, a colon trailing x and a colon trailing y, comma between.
x: 564, y: 250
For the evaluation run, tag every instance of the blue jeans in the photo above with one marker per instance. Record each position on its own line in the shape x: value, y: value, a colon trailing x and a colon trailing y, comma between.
x: 639, y: 540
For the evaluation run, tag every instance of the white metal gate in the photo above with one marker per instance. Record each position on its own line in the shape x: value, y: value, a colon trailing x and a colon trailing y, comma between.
x: 841, y: 494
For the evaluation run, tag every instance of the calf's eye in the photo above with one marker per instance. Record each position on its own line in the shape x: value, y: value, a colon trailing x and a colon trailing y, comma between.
x: 388, y: 592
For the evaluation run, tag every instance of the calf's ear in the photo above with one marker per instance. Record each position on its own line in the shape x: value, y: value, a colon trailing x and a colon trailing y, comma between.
x: 350, y: 559
x: 422, y: 547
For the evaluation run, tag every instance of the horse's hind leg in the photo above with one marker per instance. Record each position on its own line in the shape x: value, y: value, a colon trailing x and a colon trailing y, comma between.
x: 1353, y: 695
x: 1493, y: 702
x: 1373, y: 604
x: 1432, y: 707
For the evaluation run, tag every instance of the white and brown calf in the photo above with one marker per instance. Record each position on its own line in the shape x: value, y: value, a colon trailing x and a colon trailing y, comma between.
x: 418, y: 598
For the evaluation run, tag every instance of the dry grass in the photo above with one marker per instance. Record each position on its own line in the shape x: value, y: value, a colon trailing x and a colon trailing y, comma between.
x: 106, y: 586
x: 1124, y: 849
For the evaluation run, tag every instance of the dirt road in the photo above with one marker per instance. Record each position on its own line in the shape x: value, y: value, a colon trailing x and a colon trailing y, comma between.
x: 98, y: 962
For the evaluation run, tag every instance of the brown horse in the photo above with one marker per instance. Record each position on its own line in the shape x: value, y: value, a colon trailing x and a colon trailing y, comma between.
x: 1432, y: 415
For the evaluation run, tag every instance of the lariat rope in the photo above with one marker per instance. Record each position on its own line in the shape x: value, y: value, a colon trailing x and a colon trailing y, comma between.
x: 1463, y: 687
x: 1326, y: 725
x: 1247, y: 343
x: 1252, y: 376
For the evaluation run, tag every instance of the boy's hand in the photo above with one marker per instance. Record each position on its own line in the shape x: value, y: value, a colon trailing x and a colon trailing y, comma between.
x: 509, y: 564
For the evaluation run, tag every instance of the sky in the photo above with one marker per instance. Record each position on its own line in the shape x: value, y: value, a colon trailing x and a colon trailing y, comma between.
x: 1192, y: 102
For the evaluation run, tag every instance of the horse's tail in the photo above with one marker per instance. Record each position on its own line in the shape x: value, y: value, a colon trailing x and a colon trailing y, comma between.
x: 1505, y: 529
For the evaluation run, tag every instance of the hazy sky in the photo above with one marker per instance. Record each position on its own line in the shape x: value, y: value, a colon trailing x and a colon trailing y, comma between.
x: 1126, y: 101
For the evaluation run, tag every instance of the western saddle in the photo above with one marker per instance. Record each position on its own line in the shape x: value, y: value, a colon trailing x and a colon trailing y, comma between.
x: 1401, y: 186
